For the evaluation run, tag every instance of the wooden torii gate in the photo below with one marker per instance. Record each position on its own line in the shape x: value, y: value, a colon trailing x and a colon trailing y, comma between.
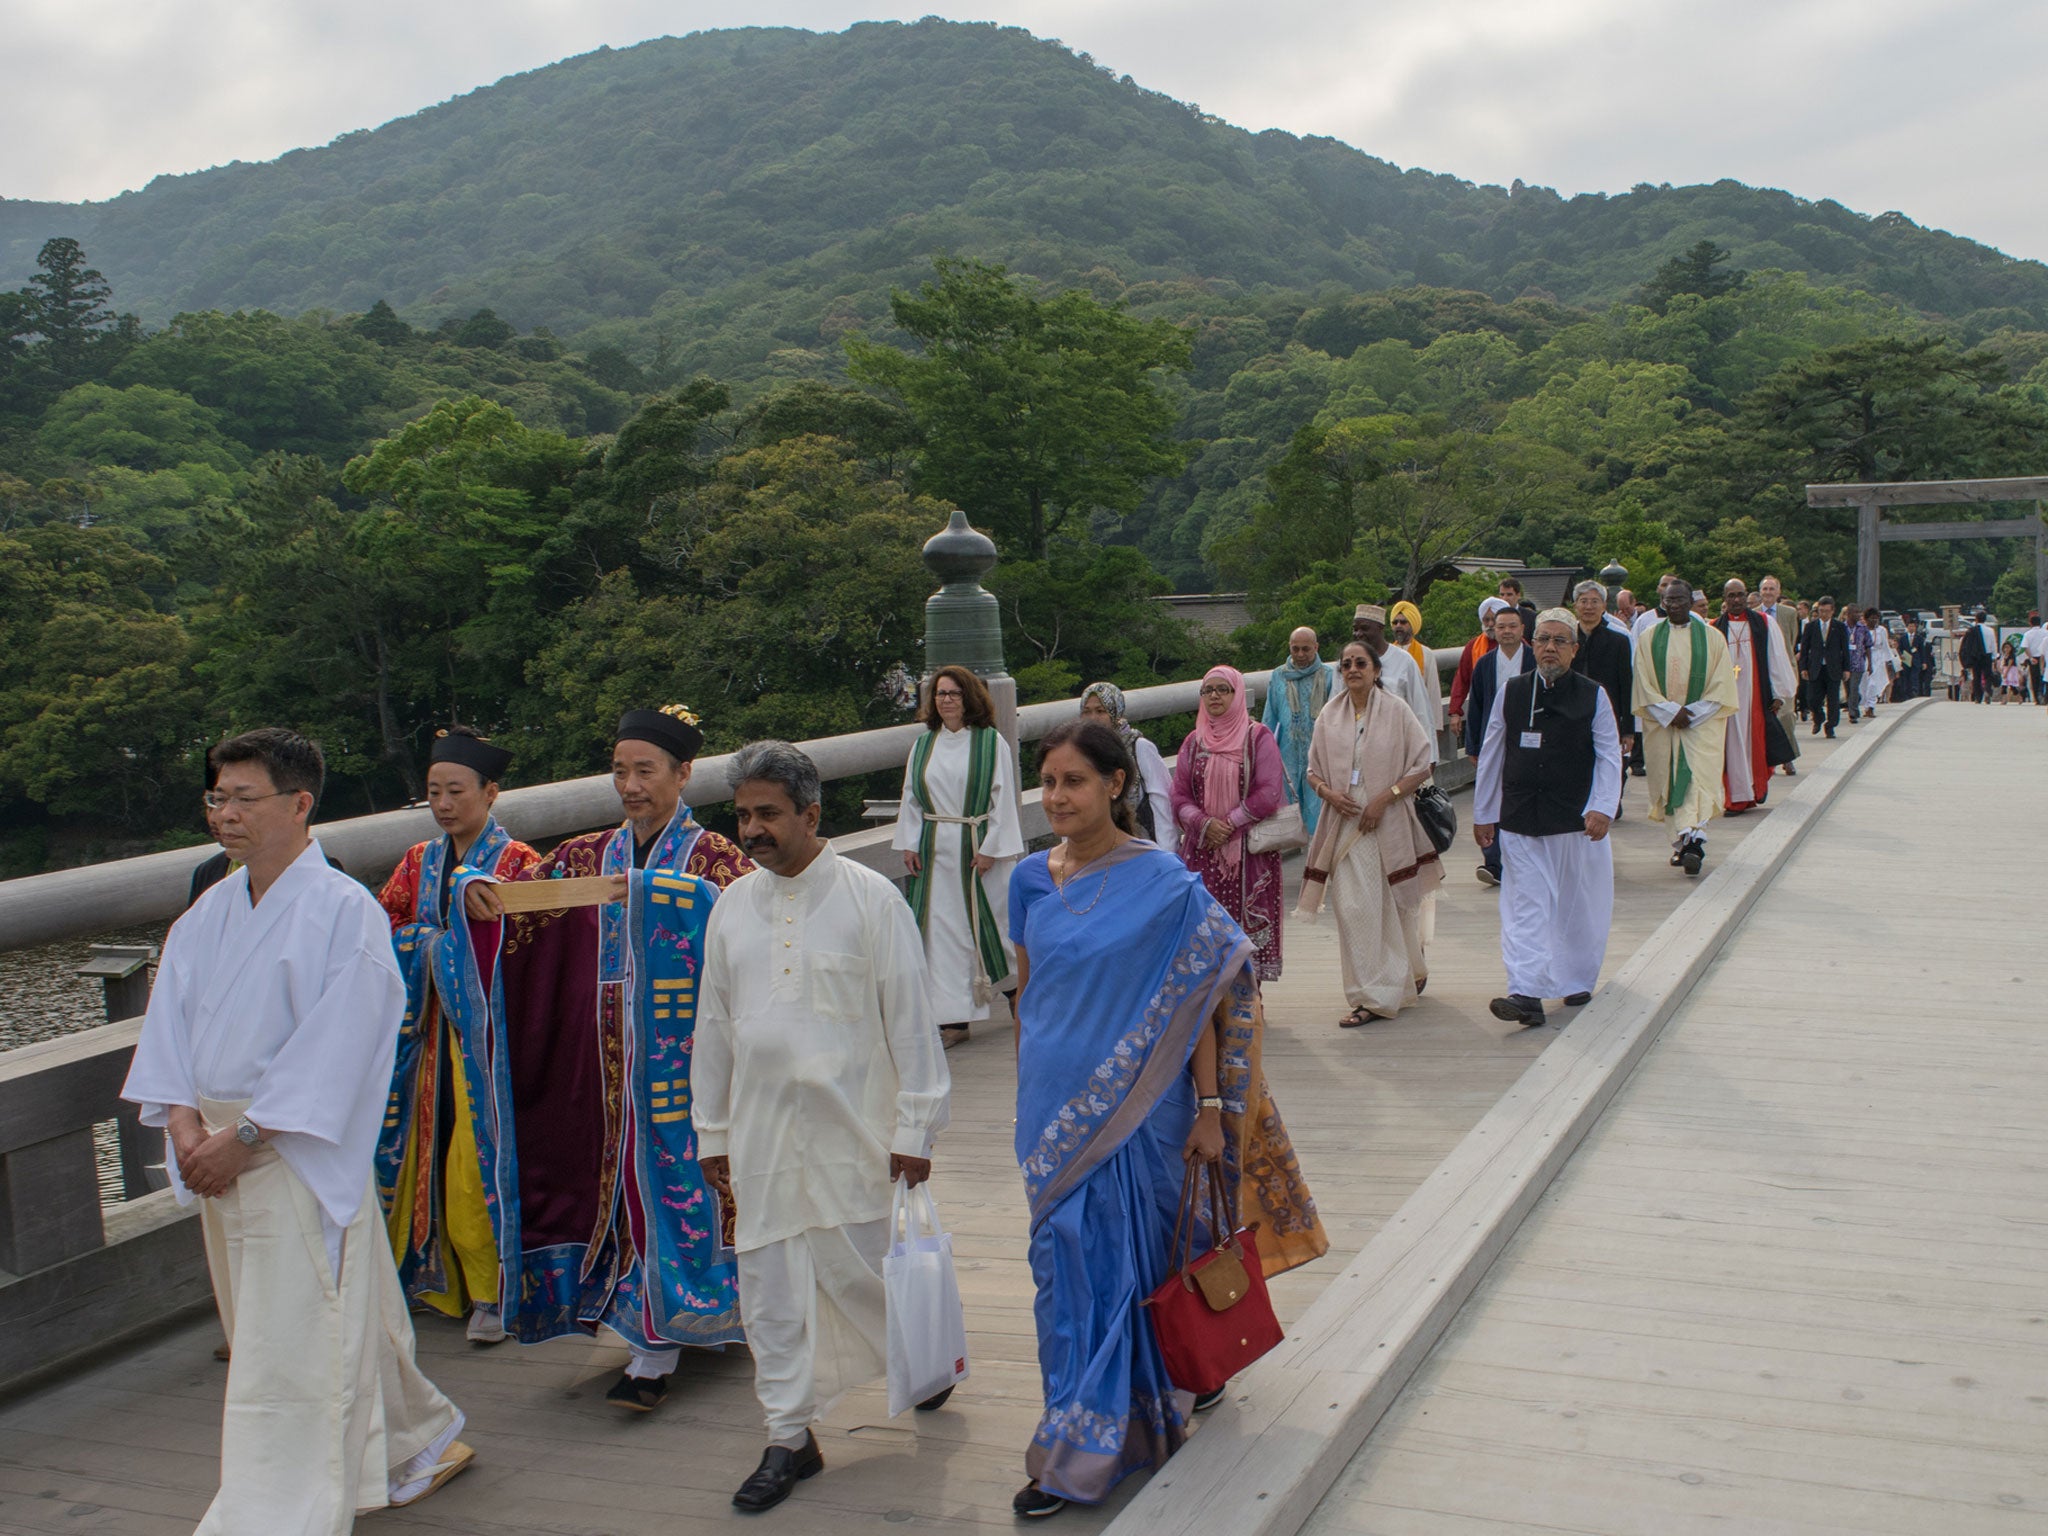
x: 1872, y: 531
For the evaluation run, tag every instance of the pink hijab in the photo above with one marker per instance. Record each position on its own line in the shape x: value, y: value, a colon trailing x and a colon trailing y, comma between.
x: 1226, y: 739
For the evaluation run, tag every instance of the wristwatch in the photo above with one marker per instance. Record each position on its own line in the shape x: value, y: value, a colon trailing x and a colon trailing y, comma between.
x: 1397, y: 789
x: 247, y: 1134
x: 1209, y: 1101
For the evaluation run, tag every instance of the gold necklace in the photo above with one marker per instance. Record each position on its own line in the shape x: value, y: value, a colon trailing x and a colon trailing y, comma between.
x: 1059, y: 889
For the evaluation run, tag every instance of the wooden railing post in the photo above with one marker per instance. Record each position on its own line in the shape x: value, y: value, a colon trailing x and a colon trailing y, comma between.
x: 49, y: 1202
x: 123, y: 971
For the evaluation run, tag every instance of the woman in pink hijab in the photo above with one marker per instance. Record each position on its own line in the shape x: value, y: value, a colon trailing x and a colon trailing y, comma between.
x: 1229, y: 775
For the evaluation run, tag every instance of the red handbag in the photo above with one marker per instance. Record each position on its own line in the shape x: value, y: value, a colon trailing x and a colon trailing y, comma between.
x: 1211, y: 1316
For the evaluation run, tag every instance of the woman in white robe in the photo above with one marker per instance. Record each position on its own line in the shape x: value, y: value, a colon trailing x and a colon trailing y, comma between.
x: 966, y: 926
x: 1884, y: 664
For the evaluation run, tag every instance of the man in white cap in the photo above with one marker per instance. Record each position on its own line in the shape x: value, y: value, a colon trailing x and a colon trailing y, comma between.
x: 1549, y: 767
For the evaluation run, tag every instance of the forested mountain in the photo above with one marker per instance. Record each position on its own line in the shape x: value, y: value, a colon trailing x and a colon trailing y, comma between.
x: 732, y: 202
x: 643, y: 379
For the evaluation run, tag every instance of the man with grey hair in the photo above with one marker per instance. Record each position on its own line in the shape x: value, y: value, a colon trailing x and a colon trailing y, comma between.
x: 1549, y: 768
x: 1606, y: 654
x: 819, y: 1082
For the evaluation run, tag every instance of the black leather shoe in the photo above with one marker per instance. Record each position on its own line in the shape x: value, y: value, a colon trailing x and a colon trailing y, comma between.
x: 780, y: 1471
x: 936, y: 1401
x: 1692, y: 856
x: 642, y: 1394
x: 1204, y: 1401
x: 1034, y: 1503
x: 1578, y: 1000
x: 1516, y: 1009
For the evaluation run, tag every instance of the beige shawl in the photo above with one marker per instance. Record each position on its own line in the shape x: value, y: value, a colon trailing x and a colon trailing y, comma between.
x: 1391, y: 747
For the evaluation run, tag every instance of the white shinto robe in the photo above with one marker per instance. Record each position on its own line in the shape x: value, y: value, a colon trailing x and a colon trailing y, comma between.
x: 950, y: 954
x: 288, y: 1011
x: 1556, y: 893
x: 1876, y: 679
x: 816, y: 1057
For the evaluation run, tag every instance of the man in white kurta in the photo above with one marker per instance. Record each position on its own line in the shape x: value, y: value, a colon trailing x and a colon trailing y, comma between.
x: 819, y: 1081
x: 968, y: 953
x: 1549, y: 769
x: 1684, y: 689
x: 1398, y: 673
x: 266, y: 1056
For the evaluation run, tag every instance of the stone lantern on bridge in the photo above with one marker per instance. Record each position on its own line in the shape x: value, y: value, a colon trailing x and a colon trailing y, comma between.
x: 1612, y: 576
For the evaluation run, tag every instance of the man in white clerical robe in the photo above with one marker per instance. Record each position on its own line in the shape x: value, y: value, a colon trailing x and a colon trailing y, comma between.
x: 266, y: 1057
x: 1684, y: 689
x: 1763, y: 674
x: 819, y: 1081
x: 1549, y: 768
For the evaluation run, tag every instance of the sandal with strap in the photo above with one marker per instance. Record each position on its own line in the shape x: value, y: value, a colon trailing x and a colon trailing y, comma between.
x: 1356, y: 1017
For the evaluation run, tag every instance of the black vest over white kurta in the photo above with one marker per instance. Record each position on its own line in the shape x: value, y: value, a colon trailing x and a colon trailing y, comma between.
x: 1544, y: 789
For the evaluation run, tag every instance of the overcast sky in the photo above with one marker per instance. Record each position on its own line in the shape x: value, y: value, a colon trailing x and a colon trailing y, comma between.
x: 1926, y: 106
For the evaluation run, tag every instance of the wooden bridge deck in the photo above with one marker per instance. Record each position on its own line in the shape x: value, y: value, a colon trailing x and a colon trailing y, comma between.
x: 1795, y: 1279
x: 130, y: 1446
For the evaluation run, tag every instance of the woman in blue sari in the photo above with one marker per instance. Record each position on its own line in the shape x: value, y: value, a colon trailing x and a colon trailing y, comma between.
x: 1137, y: 1052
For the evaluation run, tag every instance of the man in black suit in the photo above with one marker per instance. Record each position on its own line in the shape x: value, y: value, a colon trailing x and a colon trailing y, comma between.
x: 1823, y: 663
x: 1508, y: 658
x: 1606, y: 654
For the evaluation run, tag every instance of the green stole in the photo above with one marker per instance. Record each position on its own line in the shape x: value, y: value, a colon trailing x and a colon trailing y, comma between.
x: 1695, y: 685
x: 981, y: 780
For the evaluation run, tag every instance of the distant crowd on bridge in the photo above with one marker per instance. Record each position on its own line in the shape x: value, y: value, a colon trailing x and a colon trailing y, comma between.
x: 686, y: 1090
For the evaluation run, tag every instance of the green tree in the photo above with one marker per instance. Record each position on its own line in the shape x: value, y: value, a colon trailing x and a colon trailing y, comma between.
x: 380, y: 323
x: 68, y: 306
x: 98, y: 702
x: 139, y: 427
x: 1698, y: 271
x: 1032, y: 410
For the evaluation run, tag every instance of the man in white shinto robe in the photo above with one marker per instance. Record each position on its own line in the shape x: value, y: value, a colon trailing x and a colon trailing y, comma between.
x: 266, y: 1057
x: 820, y: 1081
x: 1549, y: 768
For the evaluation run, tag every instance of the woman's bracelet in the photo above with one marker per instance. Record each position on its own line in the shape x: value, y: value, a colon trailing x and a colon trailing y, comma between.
x: 1209, y: 1101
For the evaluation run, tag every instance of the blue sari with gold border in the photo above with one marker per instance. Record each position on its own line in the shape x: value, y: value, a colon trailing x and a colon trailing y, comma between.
x: 1127, y: 965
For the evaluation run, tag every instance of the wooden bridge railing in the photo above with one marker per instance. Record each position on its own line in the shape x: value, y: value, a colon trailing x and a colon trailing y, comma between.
x: 77, y: 1277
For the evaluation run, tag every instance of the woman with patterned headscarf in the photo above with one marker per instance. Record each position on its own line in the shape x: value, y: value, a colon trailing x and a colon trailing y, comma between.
x: 1227, y: 777
x: 1150, y: 794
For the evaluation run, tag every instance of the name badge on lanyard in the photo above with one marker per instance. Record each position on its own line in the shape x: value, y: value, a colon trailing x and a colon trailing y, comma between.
x: 1532, y: 739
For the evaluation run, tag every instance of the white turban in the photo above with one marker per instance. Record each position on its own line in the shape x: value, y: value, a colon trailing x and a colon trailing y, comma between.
x: 1491, y: 606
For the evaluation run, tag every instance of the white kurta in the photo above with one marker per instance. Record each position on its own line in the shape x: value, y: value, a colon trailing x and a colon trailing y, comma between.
x: 1556, y: 893
x: 815, y: 1055
x: 1399, y: 675
x: 952, y: 960
x: 815, y: 1059
x: 288, y: 1011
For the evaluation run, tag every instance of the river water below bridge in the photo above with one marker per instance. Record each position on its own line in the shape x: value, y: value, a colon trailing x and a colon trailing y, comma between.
x: 41, y: 994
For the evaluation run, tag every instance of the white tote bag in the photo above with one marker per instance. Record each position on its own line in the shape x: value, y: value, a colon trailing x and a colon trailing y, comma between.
x: 927, y: 1329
